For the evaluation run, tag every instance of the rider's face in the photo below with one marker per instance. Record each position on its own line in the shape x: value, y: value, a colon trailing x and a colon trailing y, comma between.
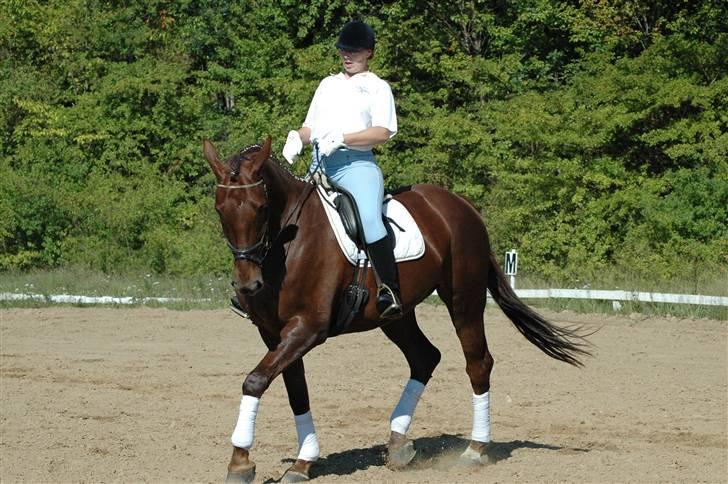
x: 355, y: 61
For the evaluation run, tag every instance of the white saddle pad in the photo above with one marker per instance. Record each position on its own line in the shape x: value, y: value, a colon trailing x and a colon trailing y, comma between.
x: 409, y: 243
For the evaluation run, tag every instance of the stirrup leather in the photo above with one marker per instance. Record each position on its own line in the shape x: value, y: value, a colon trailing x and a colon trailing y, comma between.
x: 394, y: 310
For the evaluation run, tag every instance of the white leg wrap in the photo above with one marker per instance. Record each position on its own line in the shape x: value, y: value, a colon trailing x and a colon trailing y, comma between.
x: 245, y: 428
x: 308, y: 446
x: 402, y: 414
x: 481, y: 418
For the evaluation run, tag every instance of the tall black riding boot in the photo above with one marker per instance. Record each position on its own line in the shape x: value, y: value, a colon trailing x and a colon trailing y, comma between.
x: 381, y: 254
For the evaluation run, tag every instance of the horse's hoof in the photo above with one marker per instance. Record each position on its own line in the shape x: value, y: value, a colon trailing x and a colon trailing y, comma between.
x: 298, y: 472
x: 472, y: 457
x: 293, y: 476
x: 400, y: 453
x: 245, y: 476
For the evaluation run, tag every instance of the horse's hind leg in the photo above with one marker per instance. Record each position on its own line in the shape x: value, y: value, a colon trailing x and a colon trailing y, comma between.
x: 422, y: 357
x: 466, y: 305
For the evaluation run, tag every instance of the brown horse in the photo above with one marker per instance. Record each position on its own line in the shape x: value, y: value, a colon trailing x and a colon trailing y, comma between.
x: 289, y: 274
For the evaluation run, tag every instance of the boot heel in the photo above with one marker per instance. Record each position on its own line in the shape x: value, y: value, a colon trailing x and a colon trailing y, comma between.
x: 382, y: 256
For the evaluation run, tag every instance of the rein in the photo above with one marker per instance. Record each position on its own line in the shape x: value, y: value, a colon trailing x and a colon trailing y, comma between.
x: 249, y: 185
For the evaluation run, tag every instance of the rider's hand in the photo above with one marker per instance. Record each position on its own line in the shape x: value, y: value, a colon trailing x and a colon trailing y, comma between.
x: 331, y: 142
x: 293, y: 146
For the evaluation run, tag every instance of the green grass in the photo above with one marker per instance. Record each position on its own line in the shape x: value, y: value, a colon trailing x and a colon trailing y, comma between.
x: 214, y: 292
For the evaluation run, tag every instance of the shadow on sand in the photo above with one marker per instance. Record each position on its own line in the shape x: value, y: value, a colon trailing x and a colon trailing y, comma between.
x: 440, y: 453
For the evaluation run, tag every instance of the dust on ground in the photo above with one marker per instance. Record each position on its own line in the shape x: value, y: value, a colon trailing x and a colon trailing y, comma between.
x: 96, y: 394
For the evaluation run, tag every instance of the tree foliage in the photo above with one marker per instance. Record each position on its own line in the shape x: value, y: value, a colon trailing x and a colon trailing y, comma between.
x: 591, y: 134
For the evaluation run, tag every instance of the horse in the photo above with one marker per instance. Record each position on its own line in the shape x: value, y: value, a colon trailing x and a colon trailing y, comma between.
x: 276, y: 228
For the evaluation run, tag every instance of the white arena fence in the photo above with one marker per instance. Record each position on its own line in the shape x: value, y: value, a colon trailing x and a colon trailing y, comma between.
x: 651, y: 297
x: 73, y: 299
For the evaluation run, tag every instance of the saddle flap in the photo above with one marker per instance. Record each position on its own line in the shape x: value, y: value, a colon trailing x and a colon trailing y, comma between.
x: 349, y: 216
x: 409, y: 243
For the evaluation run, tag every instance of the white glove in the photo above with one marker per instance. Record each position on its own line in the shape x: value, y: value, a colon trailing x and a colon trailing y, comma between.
x: 293, y: 146
x: 330, y: 142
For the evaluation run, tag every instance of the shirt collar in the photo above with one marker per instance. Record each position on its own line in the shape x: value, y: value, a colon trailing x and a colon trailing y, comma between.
x: 342, y: 76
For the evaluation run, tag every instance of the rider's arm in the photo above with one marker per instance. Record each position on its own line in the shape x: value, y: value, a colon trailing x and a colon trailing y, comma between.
x: 375, y: 135
x: 305, y: 134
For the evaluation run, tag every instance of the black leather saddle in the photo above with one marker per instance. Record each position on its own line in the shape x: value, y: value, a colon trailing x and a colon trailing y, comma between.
x: 349, y: 213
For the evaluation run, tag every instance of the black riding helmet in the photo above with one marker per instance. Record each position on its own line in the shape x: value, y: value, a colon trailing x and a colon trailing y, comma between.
x: 356, y: 35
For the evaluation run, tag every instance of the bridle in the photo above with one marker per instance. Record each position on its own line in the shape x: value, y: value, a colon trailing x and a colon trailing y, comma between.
x: 251, y: 253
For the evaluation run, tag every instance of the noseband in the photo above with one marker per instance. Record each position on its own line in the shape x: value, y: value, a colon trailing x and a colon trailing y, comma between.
x: 251, y: 253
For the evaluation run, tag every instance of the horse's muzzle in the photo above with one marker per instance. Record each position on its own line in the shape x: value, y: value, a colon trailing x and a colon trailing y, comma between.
x: 249, y: 289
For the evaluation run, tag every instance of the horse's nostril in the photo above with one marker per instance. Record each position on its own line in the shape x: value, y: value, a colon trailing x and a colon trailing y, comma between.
x: 251, y: 288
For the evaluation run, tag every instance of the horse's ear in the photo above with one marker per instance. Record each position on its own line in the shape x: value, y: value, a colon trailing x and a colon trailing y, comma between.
x: 266, y: 148
x: 262, y: 155
x: 211, y: 156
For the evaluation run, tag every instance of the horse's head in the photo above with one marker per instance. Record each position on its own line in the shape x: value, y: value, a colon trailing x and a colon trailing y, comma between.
x: 241, y: 201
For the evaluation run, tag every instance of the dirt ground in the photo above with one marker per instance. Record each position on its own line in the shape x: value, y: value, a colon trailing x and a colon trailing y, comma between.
x: 92, y: 394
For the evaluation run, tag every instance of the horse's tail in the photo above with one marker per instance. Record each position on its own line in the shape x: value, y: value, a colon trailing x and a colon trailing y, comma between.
x: 565, y: 344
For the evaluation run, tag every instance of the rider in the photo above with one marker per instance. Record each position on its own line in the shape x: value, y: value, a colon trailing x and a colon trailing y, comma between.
x: 351, y: 112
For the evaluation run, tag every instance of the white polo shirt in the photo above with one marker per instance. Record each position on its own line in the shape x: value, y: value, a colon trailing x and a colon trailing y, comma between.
x: 351, y: 104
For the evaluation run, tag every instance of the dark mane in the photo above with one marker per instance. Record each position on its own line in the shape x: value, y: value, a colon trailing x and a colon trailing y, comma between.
x: 285, y: 169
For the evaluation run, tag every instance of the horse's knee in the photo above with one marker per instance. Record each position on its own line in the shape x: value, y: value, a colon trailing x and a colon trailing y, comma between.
x: 436, y: 357
x: 433, y: 360
x: 488, y: 362
x: 255, y: 385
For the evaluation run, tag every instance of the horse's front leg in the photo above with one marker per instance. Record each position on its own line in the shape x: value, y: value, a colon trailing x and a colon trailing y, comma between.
x: 296, y: 339
x: 294, y: 378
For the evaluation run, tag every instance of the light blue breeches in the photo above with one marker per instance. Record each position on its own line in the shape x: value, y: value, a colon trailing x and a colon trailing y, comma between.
x: 358, y: 172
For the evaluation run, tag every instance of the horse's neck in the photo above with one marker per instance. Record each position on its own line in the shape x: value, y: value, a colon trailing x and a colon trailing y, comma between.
x: 283, y: 187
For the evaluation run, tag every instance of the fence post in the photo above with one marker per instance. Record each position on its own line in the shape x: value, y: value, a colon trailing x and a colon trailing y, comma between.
x: 511, y: 266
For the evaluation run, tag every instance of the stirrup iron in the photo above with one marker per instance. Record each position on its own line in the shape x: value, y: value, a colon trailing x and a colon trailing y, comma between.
x: 394, y: 310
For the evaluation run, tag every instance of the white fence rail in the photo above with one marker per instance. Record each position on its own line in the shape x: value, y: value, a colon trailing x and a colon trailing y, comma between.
x: 654, y: 297
x: 523, y: 293
x: 73, y: 299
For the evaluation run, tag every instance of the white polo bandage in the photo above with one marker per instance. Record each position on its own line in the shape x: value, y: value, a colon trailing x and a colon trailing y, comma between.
x: 402, y: 414
x: 481, y: 418
x: 245, y: 428
x: 308, y: 446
